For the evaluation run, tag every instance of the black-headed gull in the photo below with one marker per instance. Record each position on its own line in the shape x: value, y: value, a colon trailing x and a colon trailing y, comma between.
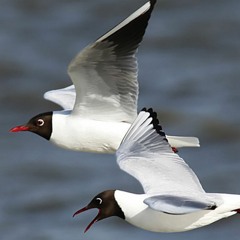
x: 173, y: 199
x: 104, y: 75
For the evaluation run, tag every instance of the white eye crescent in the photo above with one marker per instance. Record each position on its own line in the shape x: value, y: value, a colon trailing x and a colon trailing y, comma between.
x: 99, y: 200
x: 40, y: 122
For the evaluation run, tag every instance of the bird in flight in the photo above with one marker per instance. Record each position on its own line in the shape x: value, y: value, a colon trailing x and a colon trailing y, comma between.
x: 173, y: 198
x: 102, y: 102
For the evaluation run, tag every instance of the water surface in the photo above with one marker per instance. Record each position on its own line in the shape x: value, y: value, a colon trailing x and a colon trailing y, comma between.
x: 189, y: 72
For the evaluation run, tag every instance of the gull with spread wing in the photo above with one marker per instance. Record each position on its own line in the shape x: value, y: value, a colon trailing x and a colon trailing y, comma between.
x: 101, y: 105
x: 173, y: 199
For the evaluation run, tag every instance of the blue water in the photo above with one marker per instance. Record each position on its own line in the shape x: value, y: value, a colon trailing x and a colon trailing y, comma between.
x: 188, y: 71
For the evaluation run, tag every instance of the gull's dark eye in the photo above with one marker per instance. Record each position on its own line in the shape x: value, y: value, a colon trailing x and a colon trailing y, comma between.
x: 40, y: 122
x: 99, y: 201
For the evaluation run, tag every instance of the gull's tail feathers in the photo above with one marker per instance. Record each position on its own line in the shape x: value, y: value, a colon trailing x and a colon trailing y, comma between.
x: 178, y: 142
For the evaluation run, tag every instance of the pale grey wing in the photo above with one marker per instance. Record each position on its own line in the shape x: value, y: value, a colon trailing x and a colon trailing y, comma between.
x: 146, y: 155
x: 105, y: 72
x: 179, y: 204
x: 65, y: 97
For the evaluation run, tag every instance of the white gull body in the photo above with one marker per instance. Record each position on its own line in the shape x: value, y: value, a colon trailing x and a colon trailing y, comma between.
x: 89, y: 135
x: 141, y: 215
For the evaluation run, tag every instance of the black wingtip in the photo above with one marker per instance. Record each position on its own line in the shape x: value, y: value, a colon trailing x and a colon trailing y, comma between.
x: 155, y: 121
x: 152, y: 3
x: 128, y: 37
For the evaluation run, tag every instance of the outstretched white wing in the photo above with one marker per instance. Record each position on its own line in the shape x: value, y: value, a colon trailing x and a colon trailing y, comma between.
x: 146, y: 155
x: 105, y: 73
x: 65, y: 97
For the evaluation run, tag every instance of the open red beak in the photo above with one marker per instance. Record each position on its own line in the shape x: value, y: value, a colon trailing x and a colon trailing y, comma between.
x: 19, y: 129
x: 92, y: 222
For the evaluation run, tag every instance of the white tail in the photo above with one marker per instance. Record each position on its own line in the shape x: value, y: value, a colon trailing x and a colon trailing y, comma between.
x: 178, y: 142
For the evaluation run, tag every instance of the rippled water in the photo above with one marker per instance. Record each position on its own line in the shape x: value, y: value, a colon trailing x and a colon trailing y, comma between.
x: 189, y: 72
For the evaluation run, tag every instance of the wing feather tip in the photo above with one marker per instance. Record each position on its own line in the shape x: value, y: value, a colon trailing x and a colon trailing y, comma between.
x: 155, y: 121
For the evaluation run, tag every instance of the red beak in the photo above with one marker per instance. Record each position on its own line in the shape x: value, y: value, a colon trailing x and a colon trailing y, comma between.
x: 19, y: 129
x: 92, y: 222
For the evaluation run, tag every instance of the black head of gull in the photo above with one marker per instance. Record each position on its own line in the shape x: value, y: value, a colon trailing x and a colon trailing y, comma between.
x: 107, y: 205
x: 41, y: 125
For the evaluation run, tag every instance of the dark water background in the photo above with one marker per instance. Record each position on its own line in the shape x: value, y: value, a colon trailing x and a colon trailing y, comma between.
x: 189, y: 72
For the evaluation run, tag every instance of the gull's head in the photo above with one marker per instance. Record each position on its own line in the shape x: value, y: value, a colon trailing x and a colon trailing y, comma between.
x: 107, y: 206
x: 40, y: 124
